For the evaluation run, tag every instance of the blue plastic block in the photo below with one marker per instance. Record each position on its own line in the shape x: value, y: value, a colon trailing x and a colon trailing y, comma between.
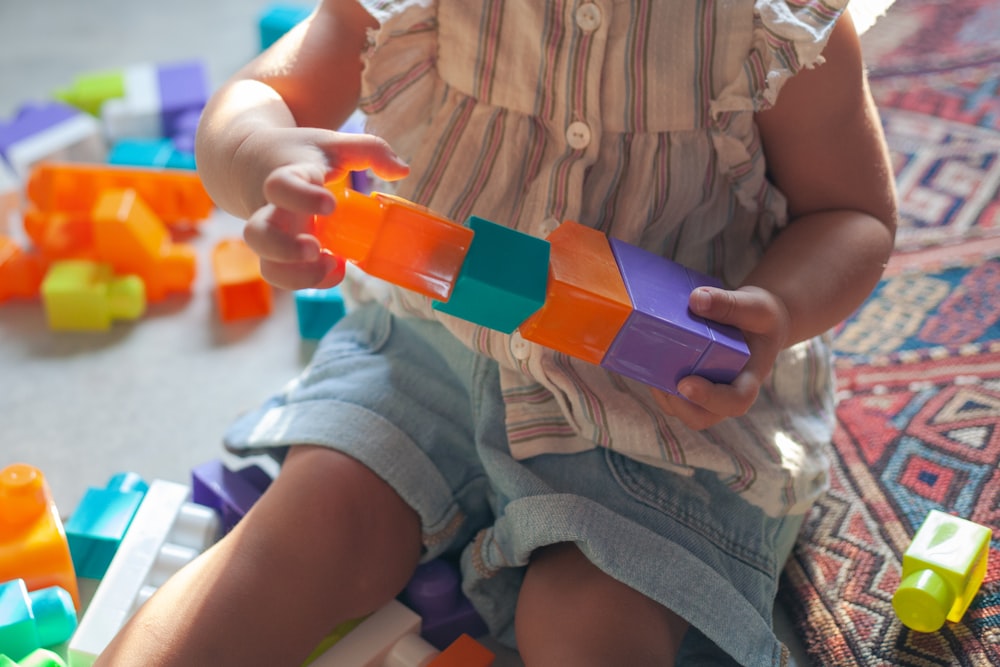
x: 503, y: 278
x: 100, y: 521
x: 32, y: 620
x: 318, y: 310
x: 435, y: 592
x: 278, y: 19
x: 160, y: 153
x: 230, y: 493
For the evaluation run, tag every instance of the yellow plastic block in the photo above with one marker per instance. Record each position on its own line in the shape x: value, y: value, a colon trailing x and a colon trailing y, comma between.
x: 81, y: 295
x: 20, y: 272
x: 33, y: 543
x: 586, y: 301
x: 130, y: 236
x: 241, y: 291
x: 176, y: 196
x: 943, y: 568
x: 396, y: 240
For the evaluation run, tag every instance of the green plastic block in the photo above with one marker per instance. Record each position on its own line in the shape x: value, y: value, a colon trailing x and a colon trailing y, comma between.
x: 89, y: 92
x: 503, y: 278
x: 29, y: 620
x: 41, y: 658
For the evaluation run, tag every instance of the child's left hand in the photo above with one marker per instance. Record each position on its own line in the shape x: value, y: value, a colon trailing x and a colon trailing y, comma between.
x: 764, y: 321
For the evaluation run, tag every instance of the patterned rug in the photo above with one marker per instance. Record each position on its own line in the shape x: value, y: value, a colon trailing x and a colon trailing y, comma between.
x: 919, y: 362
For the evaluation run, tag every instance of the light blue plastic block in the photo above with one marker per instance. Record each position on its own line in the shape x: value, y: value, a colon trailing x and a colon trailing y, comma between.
x: 318, y: 310
x: 278, y: 19
x: 503, y: 278
x: 99, y: 523
x: 160, y: 153
x: 32, y: 620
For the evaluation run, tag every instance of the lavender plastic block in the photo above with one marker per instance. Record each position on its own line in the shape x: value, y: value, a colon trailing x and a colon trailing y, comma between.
x: 662, y: 341
x: 230, y: 493
x: 183, y: 89
x: 728, y: 352
x: 31, y: 119
x: 435, y: 592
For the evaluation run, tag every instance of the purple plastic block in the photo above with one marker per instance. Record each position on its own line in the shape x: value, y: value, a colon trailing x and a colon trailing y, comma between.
x: 183, y: 89
x: 662, y: 341
x: 31, y: 119
x: 229, y: 493
x: 435, y: 593
x: 728, y: 353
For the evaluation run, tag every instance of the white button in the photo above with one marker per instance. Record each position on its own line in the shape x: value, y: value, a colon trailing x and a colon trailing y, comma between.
x: 520, y: 348
x: 578, y: 135
x: 588, y: 17
x: 548, y: 226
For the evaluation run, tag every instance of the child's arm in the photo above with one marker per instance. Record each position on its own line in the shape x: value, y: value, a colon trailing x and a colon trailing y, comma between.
x: 826, y: 151
x: 266, y: 143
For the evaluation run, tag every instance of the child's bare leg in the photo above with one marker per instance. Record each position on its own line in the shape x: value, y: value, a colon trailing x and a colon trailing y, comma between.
x: 571, y: 613
x: 329, y: 541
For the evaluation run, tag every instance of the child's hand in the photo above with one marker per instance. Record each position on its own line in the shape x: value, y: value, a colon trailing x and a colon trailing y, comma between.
x: 280, y: 232
x: 764, y: 321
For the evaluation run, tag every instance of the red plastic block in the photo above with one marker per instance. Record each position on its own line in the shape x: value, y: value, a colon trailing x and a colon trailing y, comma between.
x: 21, y: 272
x: 33, y: 543
x: 130, y: 236
x: 464, y: 652
x: 586, y: 301
x: 175, y: 196
x: 396, y: 240
x: 240, y: 290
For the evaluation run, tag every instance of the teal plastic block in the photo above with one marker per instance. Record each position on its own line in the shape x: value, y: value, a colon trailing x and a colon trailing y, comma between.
x: 503, y: 278
x: 29, y: 621
x: 318, y: 310
x: 278, y: 19
x: 159, y: 153
x: 100, y: 521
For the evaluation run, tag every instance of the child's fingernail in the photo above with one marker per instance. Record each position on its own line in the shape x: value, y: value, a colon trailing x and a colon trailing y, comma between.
x: 701, y: 300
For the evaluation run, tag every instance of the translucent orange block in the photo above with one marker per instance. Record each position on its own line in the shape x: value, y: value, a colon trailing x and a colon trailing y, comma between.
x: 176, y: 196
x: 21, y: 272
x: 33, y: 542
x: 396, y: 240
x: 60, y: 235
x: 464, y: 652
x: 130, y: 236
x: 241, y: 292
x: 586, y: 301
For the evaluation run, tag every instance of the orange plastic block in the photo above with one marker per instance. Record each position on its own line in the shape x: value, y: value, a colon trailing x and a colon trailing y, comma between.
x: 176, y: 196
x: 396, y: 240
x: 586, y: 301
x: 21, y: 272
x: 33, y: 543
x: 130, y: 236
x: 464, y: 652
x: 241, y: 292
x: 60, y: 235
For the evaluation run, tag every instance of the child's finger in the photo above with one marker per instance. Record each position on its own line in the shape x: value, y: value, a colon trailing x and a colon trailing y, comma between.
x: 356, y: 152
x: 325, y: 271
x: 278, y: 235
x: 299, y: 188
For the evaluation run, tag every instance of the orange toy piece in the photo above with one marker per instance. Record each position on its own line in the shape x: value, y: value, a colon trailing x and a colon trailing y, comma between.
x: 176, y: 196
x: 396, y: 240
x: 241, y: 291
x: 129, y: 236
x: 463, y: 652
x: 60, y: 235
x: 21, y: 272
x: 33, y: 543
x: 586, y: 301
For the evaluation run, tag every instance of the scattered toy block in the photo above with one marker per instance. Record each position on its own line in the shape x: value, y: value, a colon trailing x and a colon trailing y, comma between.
x: 38, y: 658
x: 230, y: 493
x: 166, y: 533
x: 10, y: 196
x: 33, y: 543
x: 586, y: 301
x: 662, y: 341
x: 32, y: 620
x: 943, y: 568
x: 176, y: 196
x: 50, y: 131
x: 89, y: 91
x: 435, y: 592
x: 129, y: 236
x: 60, y: 235
x: 332, y: 638
x: 390, y: 636
x: 277, y: 19
x: 98, y: 525
x: 318, y: 310
x: 21, y: 272
x: 80, y: 295
x: 396, y: 240
x: 503, y: 278
x: 464, y: 652
x: 154, y: 153
x: 240, y: 290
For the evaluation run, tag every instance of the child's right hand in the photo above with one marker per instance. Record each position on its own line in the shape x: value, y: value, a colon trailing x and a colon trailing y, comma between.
x: 304, y: 159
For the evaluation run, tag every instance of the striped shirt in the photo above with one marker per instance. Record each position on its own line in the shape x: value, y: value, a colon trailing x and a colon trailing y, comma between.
x: 634, y: 117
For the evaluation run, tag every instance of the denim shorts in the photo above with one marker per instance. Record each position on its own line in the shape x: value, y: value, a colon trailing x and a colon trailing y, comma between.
x: 425, y: 413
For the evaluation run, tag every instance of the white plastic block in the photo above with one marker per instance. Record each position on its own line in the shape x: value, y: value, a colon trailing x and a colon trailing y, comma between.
x: 136, y: 115
x: 166, y: 533
x: 388, y: 638
x: 76, y: 139
x: 10, y: 196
